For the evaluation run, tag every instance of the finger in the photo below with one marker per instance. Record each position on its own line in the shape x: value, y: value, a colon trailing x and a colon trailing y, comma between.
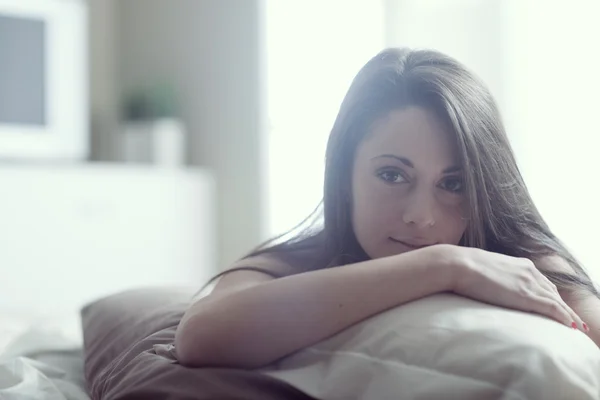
x: 552, y: 308
x: 575, y: 317
x: 553, y: 293
x: 546, y: 282
x: 539, y: 276
x: 551, y: 286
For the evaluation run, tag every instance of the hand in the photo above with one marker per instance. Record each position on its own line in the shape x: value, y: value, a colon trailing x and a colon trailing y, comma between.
x: 509, y: 282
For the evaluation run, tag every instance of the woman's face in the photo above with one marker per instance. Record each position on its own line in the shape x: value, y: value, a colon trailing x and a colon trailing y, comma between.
x: 407, y: 187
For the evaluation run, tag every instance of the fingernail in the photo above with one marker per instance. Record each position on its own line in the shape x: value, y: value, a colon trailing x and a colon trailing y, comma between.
x: 585, y: 327
x: 574, y: 325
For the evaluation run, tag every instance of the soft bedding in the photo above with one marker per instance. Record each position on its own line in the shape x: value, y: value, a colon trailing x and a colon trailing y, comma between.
x: 440, y: 347
x: 41, y: 359
x: 448, y: 347
x: 130, y: 355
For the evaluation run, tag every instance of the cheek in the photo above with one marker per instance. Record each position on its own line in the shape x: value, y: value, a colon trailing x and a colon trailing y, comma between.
x: 452, y: 222
x: 373, y: 215
x: 370, y: 222
x: 372, y: 207
x: 375, y: 219
x: 371, y: 212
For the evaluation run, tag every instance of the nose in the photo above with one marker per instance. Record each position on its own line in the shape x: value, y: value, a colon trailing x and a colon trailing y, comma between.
x: 419, y: 209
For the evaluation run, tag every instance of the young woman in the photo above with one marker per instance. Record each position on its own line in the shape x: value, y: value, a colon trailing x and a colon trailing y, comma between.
x: 422, y: 195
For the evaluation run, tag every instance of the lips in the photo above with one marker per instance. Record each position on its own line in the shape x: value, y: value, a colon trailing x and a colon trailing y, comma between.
x: 413, y: 244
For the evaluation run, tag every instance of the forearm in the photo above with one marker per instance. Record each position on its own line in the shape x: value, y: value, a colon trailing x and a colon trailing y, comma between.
x: 261, y: 324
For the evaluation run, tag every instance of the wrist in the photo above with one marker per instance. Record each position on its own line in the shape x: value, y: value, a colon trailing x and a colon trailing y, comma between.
x: 449, y: 264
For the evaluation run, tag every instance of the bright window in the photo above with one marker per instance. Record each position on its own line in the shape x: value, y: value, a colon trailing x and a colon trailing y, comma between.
x: 314, y: 50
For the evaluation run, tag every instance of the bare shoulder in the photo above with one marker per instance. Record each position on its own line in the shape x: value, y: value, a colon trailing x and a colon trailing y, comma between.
x: 252, y: 271
x: 269, y: 264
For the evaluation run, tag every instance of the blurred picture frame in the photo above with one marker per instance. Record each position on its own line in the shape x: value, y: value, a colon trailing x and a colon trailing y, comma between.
x: 44, y: 106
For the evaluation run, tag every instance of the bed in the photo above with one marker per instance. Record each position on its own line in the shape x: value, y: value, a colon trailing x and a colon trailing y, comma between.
x: 127, y: 353
x: 42, y: 359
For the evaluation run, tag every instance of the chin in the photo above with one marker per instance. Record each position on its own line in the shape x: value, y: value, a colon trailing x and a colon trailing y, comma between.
x: 387, y: 253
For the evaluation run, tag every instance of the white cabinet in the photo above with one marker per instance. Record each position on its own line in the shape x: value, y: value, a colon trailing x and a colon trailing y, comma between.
x: 71, y: 233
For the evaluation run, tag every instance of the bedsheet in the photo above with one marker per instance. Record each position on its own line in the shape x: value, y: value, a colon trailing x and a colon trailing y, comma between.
x: 41, y: 359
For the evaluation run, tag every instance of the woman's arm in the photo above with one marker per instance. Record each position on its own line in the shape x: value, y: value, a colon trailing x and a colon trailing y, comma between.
x: 262, y: 322
x: 250, y: 322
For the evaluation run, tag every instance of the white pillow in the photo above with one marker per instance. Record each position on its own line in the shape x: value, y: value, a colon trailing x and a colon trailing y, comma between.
x: 448, y: 347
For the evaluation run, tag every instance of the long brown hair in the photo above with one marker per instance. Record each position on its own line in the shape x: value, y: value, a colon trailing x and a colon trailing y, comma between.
x: 503, y: 217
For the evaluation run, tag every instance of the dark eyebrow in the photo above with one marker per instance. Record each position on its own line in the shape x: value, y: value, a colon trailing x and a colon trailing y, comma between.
x: 403, y: 160
x: 450, y: 170
x: 409, y: 163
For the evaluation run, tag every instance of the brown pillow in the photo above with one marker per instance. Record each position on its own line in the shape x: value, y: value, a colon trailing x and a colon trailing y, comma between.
x: 129, y: 353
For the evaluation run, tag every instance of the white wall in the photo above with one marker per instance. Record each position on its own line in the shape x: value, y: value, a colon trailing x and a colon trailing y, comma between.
x: 211, y: 51
x: 103, y: 35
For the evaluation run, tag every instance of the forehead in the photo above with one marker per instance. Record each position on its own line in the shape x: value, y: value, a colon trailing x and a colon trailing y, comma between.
x: 415, y: 133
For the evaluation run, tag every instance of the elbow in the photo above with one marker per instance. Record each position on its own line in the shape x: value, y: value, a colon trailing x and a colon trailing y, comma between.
x: 183, y: 350
x: 194, y: 344
x: 204, y: 342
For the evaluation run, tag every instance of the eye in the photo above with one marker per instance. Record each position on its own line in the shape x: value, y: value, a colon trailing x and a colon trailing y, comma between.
x: 391, y: 176
x: 452, y: 184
